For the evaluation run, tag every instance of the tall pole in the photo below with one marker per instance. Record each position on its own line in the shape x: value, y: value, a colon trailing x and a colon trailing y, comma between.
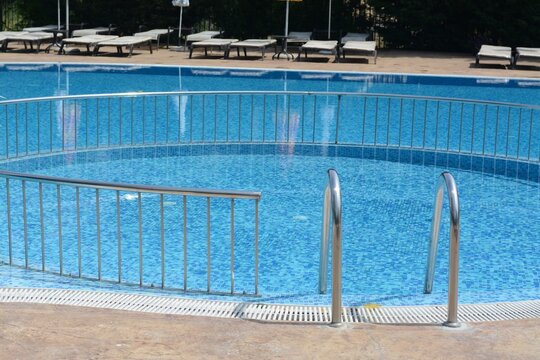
x: 329, y: 17
x: 180, y: 27
x: 287, y: 19
x: 59, y: 15
x: 67, y: 18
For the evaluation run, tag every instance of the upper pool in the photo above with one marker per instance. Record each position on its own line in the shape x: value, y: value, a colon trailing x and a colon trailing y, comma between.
x: 38, y: 80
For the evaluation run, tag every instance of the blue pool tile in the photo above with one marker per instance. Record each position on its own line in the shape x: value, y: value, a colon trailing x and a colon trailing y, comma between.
x: 381, y: 154
x: 405, y: 156
x: 465, y: 162
x: 534, y: 173
x: 369, y: 153
x: 489, y: 165
x: 512, y: 169
x: 441, y: 159
x: 393, y: 154
x: 429, y: 158
x: 500, y: 166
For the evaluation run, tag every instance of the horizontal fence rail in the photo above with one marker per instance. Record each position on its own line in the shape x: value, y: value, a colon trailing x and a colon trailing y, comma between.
x: 123, y: 233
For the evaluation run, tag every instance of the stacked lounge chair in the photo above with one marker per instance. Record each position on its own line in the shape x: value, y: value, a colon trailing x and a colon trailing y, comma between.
x: 87, y: 40
x: 298, y: 38
x: 34, y: 38
x: 156, y: 35
x: 220, y: 44
x: 352, y: 36
x: 494, y: 52
x: 94, y: 31
x: 254, y: 44
x: 319, y: 45
x: 527, y: 53
x: 201, y: 36
x: 355, y: 43
x: 40, y: 28
x: 124, y: 41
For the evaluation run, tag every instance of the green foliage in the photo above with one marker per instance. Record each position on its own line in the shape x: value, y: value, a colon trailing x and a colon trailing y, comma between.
x: 457, y: 25
x: 460, y: 25
x: 238, y: 18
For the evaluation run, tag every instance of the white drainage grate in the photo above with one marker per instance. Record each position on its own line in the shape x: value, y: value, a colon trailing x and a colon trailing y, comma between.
x: 270, y: 312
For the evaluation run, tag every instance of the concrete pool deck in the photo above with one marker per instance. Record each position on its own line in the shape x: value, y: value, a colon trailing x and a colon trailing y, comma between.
x: 57, y: 332
x: 391, y: 61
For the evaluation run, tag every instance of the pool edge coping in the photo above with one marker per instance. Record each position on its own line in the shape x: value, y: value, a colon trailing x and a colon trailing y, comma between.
x: 270, y: 313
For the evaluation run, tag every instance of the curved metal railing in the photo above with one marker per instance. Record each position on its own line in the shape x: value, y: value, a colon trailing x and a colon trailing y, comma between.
x: 446, y: 181
x: 470, y: 127
x: 332, y: 219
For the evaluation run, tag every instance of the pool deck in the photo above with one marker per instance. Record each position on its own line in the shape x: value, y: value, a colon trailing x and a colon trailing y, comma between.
x: 392, y: 61
x: 64, y: 332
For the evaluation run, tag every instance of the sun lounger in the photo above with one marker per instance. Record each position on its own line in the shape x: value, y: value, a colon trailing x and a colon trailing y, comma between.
x: 124, y: 41
x: 93, y: 31
x: 36, y: 38
x: 41, y: 28
x: 527, y: 53
x: 319, y: 45
x: 201, y: 36
x: 156, y: 35
x: 298, y: 37
x: 255, y: 44
x: 221, y: 44
x: 360, y: 47
x: 494, y: 52
x: 88, y: 41
x: 354, y: 37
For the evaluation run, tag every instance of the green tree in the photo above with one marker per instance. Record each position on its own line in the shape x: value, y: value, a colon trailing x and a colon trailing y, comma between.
x: 457, y: 25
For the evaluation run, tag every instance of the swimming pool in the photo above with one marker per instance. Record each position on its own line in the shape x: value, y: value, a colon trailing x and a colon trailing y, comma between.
x: 389, y: 151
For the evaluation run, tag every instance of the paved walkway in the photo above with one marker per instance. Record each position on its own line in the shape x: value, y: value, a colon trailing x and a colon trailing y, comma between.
x: 53, y: 332
x: 388, y: 61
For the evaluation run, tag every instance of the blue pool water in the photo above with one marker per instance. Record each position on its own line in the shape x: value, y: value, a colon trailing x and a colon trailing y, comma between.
x: 387, y: 204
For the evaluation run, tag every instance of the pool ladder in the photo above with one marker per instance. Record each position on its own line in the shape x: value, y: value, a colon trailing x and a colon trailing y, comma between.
x: 332, y: 217
x: 446, y: 180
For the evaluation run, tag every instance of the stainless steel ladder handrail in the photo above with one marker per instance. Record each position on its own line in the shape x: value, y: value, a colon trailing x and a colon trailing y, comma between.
x: 446, y: 180
x: 332, y: 208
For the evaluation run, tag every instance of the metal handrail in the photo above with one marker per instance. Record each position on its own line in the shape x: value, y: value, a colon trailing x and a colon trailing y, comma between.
x: 446, y: 180
x: 237, y: 194
x: 332, y: 208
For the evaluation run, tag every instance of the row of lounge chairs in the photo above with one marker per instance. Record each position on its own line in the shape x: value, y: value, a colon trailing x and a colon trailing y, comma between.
x: 505, y: 53
x: 353, y: 43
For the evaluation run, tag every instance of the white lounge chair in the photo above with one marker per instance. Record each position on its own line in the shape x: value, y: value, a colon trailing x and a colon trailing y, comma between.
x: 319, y: 45
x: 26, y: 38
x: 201, y: 36
x: 527, y: 53
x: 354, y: 37
x: 156, y: 35
x: 124, y: 41
x: 88, y: 41
x: 494, y: 52
x: 40, y: 28
x: 221, y: 44
x: 93, y: 31
x: 254, y: 44
x: 360, y: 47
